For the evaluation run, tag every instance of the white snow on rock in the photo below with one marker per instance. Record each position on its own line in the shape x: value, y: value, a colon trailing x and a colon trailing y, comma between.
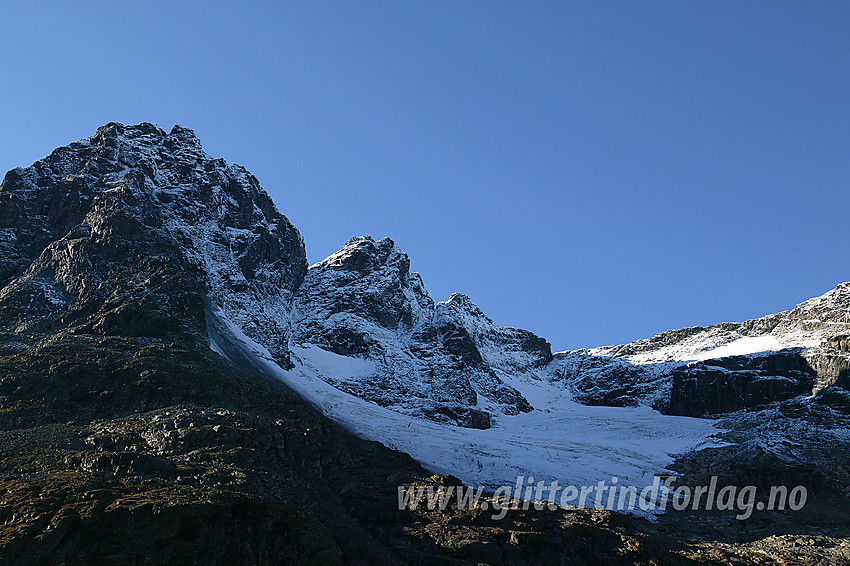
x: 560, y: 440
x: 742, y: 347
x: 249, y: 255
x: 640, y: 371
x: 439, y: 361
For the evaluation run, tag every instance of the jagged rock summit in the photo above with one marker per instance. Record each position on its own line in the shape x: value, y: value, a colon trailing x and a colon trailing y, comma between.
x: 441, y: 361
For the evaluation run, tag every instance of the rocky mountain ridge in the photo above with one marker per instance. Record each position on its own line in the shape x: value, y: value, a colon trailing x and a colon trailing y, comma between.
x: 67, y: 220
x: 720, y: 368
x: 225, y: 251
x: 129, y: 188
x: 436, y: 360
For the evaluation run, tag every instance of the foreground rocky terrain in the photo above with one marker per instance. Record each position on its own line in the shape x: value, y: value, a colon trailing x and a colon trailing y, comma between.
x: 145, y: 291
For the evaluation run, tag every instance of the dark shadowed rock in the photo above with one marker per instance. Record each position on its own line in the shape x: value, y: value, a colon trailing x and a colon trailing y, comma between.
x: 730, y: 384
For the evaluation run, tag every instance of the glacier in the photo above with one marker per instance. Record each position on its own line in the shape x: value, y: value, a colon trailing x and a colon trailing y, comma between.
x: 560, y: 439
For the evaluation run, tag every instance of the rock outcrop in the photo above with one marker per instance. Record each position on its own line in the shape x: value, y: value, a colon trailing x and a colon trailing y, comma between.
x: 730, y: 384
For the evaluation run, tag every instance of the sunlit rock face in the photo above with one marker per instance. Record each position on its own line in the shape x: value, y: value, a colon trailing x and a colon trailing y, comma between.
x: 441, y: 361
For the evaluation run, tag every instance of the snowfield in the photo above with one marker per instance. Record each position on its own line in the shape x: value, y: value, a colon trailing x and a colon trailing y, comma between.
x: 560, y: 440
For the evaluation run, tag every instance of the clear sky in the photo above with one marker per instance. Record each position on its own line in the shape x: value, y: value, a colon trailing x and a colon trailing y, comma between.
x: 593, y: 171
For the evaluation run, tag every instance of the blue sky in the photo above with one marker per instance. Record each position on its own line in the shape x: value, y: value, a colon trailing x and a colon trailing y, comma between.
x: 595, y: 171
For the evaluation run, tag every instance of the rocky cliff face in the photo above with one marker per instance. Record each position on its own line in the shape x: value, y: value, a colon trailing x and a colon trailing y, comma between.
x: 135, y: 216
x: 739, y: 382
x: 437, y: 361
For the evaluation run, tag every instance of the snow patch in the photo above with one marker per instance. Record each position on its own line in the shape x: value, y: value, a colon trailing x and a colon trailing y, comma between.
x: 742, y: 347
x: 332, y: 366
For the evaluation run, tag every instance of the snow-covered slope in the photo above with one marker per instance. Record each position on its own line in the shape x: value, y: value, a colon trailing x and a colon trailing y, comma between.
x: 560, y: 440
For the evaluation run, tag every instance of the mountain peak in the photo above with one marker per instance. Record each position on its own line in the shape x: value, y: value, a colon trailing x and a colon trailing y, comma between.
x: 831, y: 307
x: 144, y: 137
x: 149, y: 194
x: 463, y: 304
x: 364, y: 254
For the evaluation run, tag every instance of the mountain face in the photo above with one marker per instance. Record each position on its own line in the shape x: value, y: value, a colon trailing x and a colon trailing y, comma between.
x: 204, y: 232
x: 721, y: 368
x: 437, y: 361
x: 212, y: 244
x: 123, y: 438
x: 126, y: 439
